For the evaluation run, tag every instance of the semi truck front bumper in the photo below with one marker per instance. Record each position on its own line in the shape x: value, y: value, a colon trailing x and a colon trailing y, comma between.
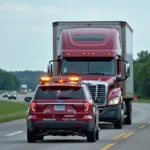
x: 110, y: 113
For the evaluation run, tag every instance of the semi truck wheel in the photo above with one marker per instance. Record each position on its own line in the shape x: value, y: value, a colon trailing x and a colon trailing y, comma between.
x: 128, y: 119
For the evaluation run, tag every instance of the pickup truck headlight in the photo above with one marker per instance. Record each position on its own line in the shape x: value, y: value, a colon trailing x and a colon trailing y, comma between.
x: 114, y: 101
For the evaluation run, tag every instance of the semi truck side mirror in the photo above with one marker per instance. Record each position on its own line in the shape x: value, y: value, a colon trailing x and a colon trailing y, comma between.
x: 119, y: 79
x: 50, y: 69
x: 126, y: 70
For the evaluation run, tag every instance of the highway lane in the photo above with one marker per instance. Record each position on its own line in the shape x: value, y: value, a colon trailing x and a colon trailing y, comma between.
x: 13, y: 136
x: 20, y: 97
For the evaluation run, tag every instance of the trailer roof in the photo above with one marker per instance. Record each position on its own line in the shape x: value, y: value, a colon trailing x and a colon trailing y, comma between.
x: 56, y: 23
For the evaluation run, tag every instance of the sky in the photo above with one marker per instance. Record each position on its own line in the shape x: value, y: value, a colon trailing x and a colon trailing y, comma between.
x: 26, y: 26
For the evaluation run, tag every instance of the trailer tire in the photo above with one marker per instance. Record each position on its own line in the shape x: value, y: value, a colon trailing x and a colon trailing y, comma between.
x: 128, y: 119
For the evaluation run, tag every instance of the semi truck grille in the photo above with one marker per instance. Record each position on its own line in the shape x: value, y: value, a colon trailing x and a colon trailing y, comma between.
x: 98, y: 92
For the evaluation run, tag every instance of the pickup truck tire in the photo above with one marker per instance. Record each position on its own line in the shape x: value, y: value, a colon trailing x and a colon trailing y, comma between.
x: 40, y: 138
x: 91, y: 136
x: 97, y: 134
x: 118, y: 124
x: 128, y: 119
x: 31, y: 136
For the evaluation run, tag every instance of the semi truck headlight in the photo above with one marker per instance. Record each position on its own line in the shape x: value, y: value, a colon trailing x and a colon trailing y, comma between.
x: 114, y: 101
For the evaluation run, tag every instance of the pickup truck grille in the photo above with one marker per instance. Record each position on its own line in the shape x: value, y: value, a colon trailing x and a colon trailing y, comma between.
x: 99, y: 92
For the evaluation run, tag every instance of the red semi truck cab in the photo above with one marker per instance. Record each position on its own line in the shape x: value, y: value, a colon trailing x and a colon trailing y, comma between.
x: 102, y: 54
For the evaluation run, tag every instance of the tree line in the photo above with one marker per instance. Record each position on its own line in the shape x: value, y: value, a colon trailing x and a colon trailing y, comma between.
x: 142, y: 74
x: 8, y: 81
x: 31, y: 78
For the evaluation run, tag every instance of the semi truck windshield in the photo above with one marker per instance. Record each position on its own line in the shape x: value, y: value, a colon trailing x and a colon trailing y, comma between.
x: 105, y: 66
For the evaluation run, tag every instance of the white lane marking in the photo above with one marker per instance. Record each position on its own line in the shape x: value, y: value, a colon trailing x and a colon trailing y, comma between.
x: 14, y: 133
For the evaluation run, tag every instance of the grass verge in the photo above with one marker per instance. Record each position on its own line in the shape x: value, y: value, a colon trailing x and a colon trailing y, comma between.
x: 2, y: 91
x: 142, y: 101
x: 12, y: 111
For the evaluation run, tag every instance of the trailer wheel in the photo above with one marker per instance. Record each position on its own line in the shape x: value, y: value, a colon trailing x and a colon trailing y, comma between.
x: 128, y: 119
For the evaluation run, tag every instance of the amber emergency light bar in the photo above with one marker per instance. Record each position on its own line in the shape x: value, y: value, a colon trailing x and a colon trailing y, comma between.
x: 44, y: 79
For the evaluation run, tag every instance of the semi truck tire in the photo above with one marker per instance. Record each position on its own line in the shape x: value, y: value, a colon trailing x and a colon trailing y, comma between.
x: 128, y: 119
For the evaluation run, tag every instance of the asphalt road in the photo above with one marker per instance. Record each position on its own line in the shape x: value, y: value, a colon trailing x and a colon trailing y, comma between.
x: 20, y: 97
x: 133, y: 137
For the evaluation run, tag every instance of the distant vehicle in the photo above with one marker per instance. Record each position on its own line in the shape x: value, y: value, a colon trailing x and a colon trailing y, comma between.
x: 14, y: 92
x: 13, y: 95
x: 30, y: 90
x: 24, y: 89
x: 5, y: 94
x: 61, y: 109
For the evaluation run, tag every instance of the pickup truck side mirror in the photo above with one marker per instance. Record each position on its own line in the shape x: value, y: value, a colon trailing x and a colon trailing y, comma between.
x: 27, y: 99
x: 50, y: 67
x: 119, y: 79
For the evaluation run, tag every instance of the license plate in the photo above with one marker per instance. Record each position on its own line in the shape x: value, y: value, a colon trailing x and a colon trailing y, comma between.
x: 68, y: 119
x: 59, y: 107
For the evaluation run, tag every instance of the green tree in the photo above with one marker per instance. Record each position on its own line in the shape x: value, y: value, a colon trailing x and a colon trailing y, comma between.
x: 142, y: 56
x: 31, y: 78
x: 142, y: 74
x: 8, y: 81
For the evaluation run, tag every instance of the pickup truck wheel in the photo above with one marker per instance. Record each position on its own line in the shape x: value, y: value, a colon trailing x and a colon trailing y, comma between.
x: 97, y: 134
x: 91, y: 136
x: 128, y: 119
x: 40, y: 138
x: 118, y: 124
x: 31, y: 136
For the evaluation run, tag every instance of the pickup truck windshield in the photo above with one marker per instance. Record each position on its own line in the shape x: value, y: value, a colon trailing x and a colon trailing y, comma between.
x: 56, y: 92
x: 103, y: 66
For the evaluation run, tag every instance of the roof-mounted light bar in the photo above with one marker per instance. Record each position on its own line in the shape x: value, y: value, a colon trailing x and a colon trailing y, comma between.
x: 44, y: 79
